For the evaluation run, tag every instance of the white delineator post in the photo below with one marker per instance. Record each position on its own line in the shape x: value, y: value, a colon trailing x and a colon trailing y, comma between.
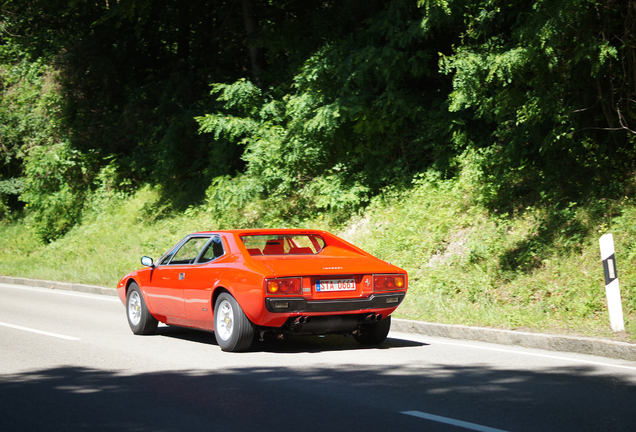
x: 611, y: 283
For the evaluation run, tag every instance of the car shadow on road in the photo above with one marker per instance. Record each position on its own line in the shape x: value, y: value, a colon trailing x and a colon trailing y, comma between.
x: 314, y: 344
x: 289, y: 344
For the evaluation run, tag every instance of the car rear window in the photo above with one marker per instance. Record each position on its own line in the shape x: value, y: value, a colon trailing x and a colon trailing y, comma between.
x: 302, y: 244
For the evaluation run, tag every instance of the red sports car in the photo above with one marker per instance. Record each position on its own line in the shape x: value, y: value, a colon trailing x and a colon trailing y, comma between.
x: 243, y: 283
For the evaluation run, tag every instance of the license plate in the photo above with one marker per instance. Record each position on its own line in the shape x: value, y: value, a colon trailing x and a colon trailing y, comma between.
x: 335, y: 285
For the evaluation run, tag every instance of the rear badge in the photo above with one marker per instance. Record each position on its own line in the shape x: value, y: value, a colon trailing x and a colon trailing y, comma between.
x: 367, y: 282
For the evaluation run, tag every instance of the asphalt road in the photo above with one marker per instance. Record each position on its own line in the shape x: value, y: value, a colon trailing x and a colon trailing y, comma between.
x: 68, y: 362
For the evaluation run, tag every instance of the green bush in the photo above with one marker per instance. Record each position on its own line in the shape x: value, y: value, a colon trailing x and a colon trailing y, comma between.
x: 56, y: 181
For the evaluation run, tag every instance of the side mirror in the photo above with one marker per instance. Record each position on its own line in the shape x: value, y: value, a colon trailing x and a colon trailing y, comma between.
x: 147, y: 261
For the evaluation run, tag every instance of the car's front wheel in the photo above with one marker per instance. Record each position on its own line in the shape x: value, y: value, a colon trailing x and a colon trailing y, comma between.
x: 233, y: 330
x: 374, y: 334
x: 139, y: 319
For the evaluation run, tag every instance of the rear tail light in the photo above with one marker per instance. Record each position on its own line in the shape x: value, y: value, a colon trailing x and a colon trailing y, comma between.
x: 284, y: 286
x: 392, y: 282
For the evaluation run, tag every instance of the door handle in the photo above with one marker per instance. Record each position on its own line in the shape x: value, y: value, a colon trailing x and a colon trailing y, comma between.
x: 181, y: 276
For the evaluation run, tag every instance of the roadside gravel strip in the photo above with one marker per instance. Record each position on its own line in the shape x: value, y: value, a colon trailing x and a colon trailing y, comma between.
x: 580, y: 345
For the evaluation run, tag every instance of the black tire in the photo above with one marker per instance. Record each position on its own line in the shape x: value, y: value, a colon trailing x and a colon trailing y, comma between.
x: 233, y: 331
x: 374, y: 334
x: 141, y: 322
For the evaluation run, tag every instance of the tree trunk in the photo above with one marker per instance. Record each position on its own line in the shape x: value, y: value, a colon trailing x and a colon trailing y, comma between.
x: 250, y: 27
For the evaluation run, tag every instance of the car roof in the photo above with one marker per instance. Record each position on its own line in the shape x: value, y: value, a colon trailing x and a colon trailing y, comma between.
x: 264, y: 231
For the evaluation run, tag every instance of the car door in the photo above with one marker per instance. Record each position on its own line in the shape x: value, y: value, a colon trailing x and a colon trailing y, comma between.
x: 165, y: 290
x: 202, y: 278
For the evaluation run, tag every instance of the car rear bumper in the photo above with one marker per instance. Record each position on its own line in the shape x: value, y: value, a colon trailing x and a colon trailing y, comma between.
x: 302, y: 305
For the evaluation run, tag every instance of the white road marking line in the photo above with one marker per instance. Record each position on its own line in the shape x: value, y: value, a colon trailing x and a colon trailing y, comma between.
x: 513, y: 351
x: 39, y: 331
x: 453, y: 422
x: 64, y: 292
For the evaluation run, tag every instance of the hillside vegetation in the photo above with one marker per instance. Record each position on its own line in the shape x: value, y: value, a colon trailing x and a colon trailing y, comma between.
x: 466, y: 265
x: 482, y: 145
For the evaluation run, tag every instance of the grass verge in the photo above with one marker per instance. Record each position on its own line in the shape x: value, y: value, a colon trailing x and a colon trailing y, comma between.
x: 467, y: 265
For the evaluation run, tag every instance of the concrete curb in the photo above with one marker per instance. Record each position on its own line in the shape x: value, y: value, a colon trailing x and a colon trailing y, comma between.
x: 94, y: 289
x: 573, y: 344
x: 580, y: 345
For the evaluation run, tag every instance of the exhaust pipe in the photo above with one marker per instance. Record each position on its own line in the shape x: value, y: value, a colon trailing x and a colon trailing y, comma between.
x: 300, y: 321
x: 372, y: 317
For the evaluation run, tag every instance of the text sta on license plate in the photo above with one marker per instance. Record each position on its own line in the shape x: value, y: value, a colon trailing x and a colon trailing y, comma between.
x: 335, y: 285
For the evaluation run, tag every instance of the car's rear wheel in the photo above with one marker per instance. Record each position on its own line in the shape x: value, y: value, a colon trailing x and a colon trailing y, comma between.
x: 233, y: 331
x: 140, y: 320
x: 374, y: 334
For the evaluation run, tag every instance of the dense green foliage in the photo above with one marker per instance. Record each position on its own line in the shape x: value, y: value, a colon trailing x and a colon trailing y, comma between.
x: 314, y: 106
x: 286, y: 113
x: 552, y: 83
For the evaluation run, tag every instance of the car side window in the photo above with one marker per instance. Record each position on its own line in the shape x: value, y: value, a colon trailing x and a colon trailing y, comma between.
x: 189, y: 251
x: 213, y: 250
x: 167, y: 258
